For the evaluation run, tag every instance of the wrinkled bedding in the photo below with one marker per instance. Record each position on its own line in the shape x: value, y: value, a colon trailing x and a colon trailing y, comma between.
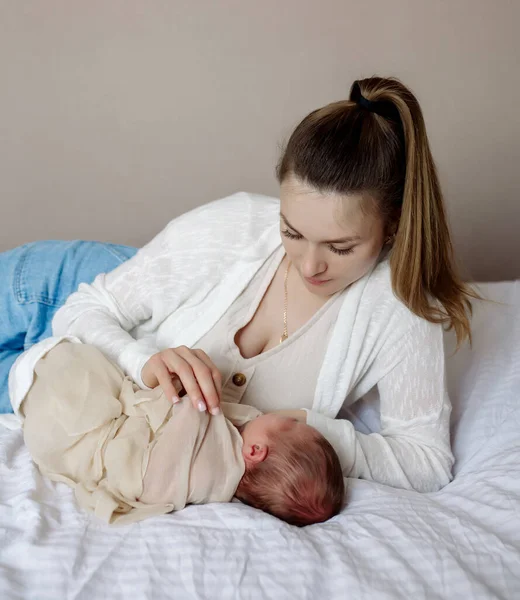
x: 461, y: 542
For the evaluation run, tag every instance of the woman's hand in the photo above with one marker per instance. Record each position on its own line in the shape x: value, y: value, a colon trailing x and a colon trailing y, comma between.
x: 299, y: 415
x: 195, y: 371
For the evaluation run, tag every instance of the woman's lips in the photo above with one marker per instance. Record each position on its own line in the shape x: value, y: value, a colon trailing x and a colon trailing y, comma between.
x: 314, y: 281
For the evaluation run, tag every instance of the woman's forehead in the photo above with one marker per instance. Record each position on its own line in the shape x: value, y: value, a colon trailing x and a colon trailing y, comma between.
x: 324, y: 216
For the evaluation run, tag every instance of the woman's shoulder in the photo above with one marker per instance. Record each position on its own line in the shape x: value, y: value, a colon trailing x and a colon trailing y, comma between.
x: 383, y: 305
x: 241, y: 217
x: 246, y: 205
x: 378, y: 289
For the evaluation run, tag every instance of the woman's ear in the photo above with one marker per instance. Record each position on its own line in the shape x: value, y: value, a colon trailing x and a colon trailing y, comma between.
x: 255, y: 453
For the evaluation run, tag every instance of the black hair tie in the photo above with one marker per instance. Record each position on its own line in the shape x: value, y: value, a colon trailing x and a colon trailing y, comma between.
x: 368, y: 104
x: 383, y: 108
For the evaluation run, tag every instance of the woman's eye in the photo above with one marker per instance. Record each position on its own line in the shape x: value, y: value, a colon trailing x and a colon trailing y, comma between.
x: 290, y: 235
x: 299, y: 236
x: 342, y: 251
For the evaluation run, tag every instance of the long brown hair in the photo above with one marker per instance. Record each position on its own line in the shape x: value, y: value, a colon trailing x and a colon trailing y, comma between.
x: 376, y: 144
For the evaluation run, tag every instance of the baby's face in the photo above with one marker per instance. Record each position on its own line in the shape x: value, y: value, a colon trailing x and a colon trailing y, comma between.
x: 257, y: 434
x: 260, y: 428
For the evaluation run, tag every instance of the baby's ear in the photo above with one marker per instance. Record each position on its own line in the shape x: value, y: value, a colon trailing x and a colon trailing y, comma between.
x: 255, y: 453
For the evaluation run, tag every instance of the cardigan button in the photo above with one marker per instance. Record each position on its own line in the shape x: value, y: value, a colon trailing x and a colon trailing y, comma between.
x: 239, y: 379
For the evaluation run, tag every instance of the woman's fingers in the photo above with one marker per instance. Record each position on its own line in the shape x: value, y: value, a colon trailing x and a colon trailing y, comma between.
x: 192, y: 371
x: 179, y: 366
x: 215, y: 373
x: 178, y: 386
x: 161, y: 371
x: 195, y: 373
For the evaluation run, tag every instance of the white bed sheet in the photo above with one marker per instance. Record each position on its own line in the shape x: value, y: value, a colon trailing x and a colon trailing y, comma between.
x: 461, y: 542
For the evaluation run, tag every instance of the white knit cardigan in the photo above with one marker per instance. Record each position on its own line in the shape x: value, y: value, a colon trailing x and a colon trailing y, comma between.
x: 177, y: 287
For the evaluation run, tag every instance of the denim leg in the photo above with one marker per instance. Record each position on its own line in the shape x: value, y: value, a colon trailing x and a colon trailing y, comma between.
x: 35, y: 280
x: 7, y: 358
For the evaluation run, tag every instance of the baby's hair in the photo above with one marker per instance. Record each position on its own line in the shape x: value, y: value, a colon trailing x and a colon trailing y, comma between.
x: 300, y: 481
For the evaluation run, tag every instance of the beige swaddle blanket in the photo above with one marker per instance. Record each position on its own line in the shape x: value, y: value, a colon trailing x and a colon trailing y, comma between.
x: 128, y: 453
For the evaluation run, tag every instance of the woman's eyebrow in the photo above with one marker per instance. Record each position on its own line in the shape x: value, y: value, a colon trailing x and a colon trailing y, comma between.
x: 284, y: 219
x: 351, y: 238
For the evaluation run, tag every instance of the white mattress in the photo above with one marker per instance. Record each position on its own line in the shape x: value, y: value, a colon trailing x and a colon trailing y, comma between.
x: 462, y: 542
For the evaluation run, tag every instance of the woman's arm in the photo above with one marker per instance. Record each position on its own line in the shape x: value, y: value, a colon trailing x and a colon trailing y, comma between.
x: 412, y: 450
x: 183, y: 264
x: 148, y: 287
x: 103, y: 313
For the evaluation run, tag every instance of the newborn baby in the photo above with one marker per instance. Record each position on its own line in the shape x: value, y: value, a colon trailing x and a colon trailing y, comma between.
x: 129, y: 453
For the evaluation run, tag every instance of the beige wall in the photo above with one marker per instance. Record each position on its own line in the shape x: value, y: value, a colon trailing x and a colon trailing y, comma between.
x: 117, y: 115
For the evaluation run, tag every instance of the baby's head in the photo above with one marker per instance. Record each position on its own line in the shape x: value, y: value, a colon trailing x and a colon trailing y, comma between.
x: 292, y: 472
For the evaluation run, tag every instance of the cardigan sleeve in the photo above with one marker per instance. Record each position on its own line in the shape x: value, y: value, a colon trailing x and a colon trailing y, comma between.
x: 104, y: 312
x: 182, y: 264
x: 149, y: 287
x: 412, y: 449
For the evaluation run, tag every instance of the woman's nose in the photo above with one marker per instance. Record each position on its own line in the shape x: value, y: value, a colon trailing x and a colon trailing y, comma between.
x: 312, y: 264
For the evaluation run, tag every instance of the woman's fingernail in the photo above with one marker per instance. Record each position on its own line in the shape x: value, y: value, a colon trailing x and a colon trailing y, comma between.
x: 176, y: 399
x: 201, y: 406
x: 215, y: 411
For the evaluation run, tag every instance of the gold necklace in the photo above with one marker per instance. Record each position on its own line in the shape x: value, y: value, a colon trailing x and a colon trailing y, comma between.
x: 285, y: 333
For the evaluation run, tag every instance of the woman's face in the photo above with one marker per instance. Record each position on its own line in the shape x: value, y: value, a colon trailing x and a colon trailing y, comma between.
x: 328, y: 238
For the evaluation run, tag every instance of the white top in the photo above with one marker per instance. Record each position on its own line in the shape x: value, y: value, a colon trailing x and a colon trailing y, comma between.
x: 283, y: 377
x: 178, y: 286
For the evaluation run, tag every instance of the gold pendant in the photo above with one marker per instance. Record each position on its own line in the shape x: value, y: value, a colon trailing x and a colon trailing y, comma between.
x: 285, y: 333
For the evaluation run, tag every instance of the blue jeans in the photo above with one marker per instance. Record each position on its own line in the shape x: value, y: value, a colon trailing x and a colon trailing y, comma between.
x: 35, y: 280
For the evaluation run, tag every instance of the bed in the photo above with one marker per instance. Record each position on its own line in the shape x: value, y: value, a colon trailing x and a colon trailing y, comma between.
x: 461, y: 542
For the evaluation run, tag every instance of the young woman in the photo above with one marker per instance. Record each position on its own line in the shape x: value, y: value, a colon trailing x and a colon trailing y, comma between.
x: 305, y: 304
